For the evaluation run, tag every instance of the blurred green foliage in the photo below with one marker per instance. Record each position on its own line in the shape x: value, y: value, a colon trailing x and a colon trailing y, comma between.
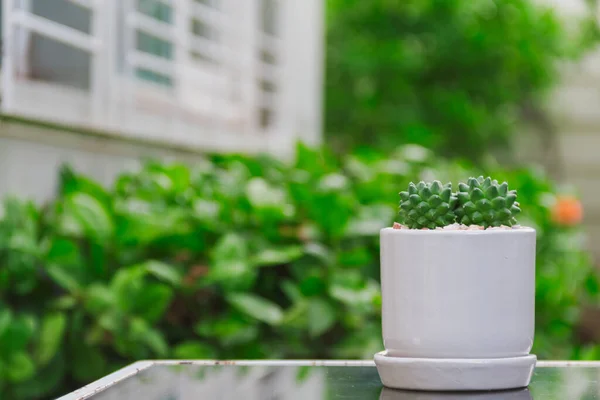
x: 455, y: 76
x: 235, y: 257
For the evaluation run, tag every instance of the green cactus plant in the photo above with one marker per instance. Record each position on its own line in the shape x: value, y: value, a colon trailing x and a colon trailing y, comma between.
x: 487, y: 203
x: 427, y: 205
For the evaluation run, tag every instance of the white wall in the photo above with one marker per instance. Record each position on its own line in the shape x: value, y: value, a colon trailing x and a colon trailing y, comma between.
x: 30, y: 157
x: 575, y: 112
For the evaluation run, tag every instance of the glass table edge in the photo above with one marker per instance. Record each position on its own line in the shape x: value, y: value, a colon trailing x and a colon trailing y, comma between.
x: 131, y: 370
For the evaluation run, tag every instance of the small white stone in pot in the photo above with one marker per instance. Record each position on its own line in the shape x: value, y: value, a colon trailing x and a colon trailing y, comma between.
x: 475, y: 228
x: 452, y: 227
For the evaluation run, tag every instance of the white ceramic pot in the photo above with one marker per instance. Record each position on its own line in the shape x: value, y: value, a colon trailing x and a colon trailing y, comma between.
x: 456, y: 294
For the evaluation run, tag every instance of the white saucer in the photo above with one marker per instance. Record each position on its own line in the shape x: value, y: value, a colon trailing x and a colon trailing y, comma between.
x: 455, y: 374
x: 395, y: 394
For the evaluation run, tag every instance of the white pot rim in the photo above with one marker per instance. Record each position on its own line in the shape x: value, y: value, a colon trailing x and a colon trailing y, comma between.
x: 455, y: 232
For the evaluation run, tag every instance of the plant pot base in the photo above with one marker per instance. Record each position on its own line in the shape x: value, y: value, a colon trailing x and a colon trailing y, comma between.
x: 456, y: 374
x: 397, y: 394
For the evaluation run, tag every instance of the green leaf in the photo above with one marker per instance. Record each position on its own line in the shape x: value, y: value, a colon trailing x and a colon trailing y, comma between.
x: 296, y: 316
x: 71, y: 183
x: 370, y: 220
x: 333, y: 182
x: 236, y: 273
x: 229, y: 330
x: 231, y: 247
x: 141, y: 224
x: 24, y: 242
x: 17, y: 334
x: 230, y: 263
x: 87, y: 363
x: 277, y: 256
x: 292, y: 291
x: 5, y: 319
x: 163, y: 271
x: 134, y: 294
x: 110, y: 321
x: 313, y: 285
x: 89, y: 215
x: 152, y: 301
x: 47, y: 380
x: 321, y: 316
x: 360, y: 343
x: 62, y: 251
x: 65, y: 302
x: 155, y: 340
x: 257, y: 308
x: 126, y: 284
x: 356, y: 294
x: 355, y: 257
x: 179, y: 175
x: 19, y: 367
x: 51, y: 334
x: 97, y: 260
x: 99, y: 298
x: 206, y: 210
x: 63, y: 277
x: 589, y: 353
x: 141, y: 338
x: 193, y: 350
x: 320, y: 252
x: 261, y: 194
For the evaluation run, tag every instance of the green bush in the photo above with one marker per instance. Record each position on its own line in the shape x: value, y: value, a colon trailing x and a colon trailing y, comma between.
x: 235, y: 257
x: 454, y: 76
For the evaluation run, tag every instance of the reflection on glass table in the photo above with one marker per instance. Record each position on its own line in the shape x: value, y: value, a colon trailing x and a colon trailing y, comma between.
x: 172, y: 380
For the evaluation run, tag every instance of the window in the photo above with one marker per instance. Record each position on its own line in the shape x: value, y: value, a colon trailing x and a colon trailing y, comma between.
x: 149, y: 42
x: 64, y: 12
x: 202, y: 29
x: 155, y: 77
x: 59, y: 63
x: 156, y: 9
x: 205, y: 32
x: 154, y: 45
x: 46, y: 59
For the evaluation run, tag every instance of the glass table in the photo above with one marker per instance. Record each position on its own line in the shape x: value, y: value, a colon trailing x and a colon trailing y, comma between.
x: 318, y: 380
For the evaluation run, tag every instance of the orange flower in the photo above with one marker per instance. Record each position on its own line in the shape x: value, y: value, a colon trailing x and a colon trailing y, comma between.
x: 567, y: 211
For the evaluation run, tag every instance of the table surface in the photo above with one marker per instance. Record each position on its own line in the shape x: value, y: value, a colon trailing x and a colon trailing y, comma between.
x: 318, y: 380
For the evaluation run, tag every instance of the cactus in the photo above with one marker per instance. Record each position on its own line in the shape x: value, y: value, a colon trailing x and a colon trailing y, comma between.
x: 486, y: 203
x: 427, y: 205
